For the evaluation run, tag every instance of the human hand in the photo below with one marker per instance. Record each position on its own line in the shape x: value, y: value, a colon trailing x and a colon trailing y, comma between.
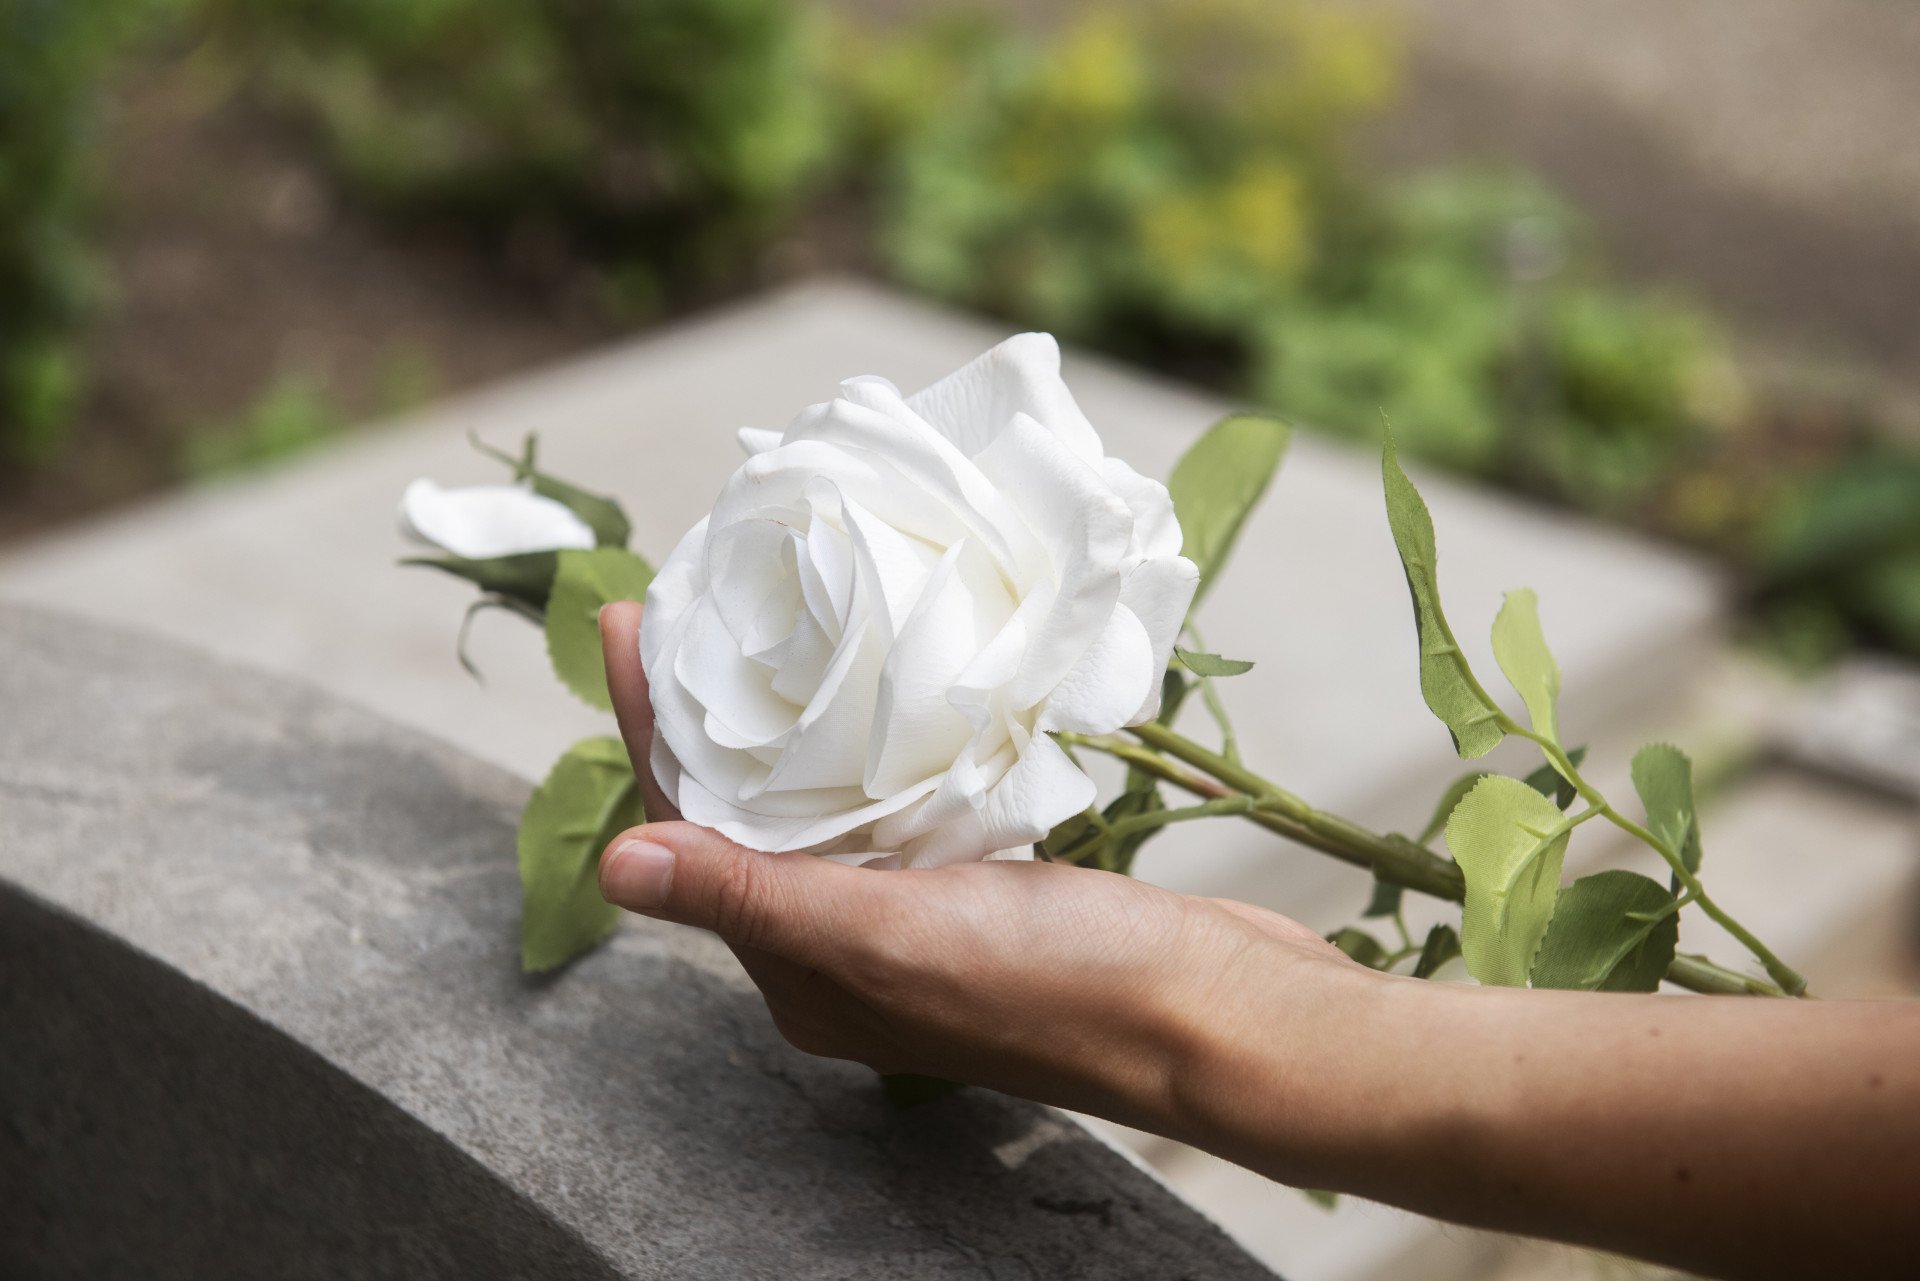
x: 1626, y: 1122
x: 1070, y: 986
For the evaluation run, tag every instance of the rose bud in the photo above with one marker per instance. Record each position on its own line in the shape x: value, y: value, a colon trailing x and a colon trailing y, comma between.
x: 482, y: 522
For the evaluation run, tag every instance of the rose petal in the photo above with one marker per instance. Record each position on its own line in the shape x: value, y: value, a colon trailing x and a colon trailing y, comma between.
x: 916, y: 732
x: 1105, y: 688
x: 1086, y: 530
x: 800, y: 831
x: 1043, y: 788
x: 1156, y: 533
x: 829, y: 745
x: 757, y: 440
x: 975, y: 403
x: 480, y: 522
x: 894, y: 567
x: 1159, y: 592
x: 742, y: 708
x: 915, y: 479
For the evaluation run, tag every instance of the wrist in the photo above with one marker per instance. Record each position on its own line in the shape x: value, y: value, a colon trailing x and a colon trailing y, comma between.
x: 1323, y: 1074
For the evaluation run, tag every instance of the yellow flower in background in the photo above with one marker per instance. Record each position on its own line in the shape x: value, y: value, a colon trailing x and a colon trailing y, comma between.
x: 1264, y: 218
x: 1276, y: 66
x: 1250, y: 232
x: 1099, y: 68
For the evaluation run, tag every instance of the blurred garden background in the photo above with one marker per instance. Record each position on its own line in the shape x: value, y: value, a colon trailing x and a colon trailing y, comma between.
x: 232, y: 229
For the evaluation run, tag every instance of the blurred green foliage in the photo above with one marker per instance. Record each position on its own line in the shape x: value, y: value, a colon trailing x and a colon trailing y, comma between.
x: 1478, y: 318
x: 296, y: 412
x: 1146, y: 178
x: 54, y: 60
x: 665, y: 140
x: 1176, y: 183
x: 1173, y: 181
x: 291, y: 416
x: 1848, y: 538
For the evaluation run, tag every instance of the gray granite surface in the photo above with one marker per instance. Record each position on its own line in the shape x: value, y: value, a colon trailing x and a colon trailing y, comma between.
x: 260, y: 1016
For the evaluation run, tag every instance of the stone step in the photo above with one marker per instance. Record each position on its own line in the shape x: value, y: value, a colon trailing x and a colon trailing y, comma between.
x: 259, y: 975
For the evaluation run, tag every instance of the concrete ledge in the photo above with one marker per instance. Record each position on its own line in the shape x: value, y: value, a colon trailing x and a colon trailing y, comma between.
x: 257, y: 971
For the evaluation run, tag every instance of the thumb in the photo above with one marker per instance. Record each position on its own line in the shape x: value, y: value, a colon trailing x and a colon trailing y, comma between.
x: 793, y: 905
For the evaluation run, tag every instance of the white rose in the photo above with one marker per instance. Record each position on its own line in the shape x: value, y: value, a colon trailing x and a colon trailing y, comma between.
x: 484, y: 521
x: 863, y: 648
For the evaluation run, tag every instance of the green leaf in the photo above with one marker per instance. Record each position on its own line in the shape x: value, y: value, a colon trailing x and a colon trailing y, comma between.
x: 1173, y: 692
x: 1211, y: 664
x: 1885, y: 593
x: 1611, y: 932
x: 587, y: 799
x: 1360, y: 945
x: 1510, y: 842
x: 1521, y: 650
x: 1446, y: 681
x: 602, y: 515
x: 478, y: 606
x: 584, y: 582
x: 1070, y: 837
x: 1663, y: 776
x: 1216, y: 483
x: 1321, y: 1197
x: 1443, y: 810
x: 1385, y: 900
x: 1442, y: 945
x: 1547, y: 780
x: 527, y: 578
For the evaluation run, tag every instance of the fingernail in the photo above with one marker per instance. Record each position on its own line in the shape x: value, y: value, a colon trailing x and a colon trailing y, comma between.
x: 637, y: 874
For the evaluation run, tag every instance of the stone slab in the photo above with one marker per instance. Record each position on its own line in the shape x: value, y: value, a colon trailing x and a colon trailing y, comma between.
x: 294, y: 571
x: 262, y: 1016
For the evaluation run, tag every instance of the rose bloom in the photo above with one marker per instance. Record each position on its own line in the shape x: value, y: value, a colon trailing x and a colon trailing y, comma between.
x: 862, y: 650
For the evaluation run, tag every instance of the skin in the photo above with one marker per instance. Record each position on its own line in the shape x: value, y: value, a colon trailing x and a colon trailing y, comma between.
x: 1732, y: 1136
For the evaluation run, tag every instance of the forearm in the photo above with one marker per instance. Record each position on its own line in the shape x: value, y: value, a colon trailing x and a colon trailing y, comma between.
x: 1729, y: 1135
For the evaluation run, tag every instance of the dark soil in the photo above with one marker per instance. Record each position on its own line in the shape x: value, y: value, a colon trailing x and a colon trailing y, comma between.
x: 233, y: 264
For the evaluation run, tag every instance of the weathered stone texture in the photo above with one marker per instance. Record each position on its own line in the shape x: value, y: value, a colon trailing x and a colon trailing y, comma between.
x: 261, y: 1016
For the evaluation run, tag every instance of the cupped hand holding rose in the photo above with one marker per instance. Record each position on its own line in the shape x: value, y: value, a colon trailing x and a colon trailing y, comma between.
x: 1045, y: 980
x: 1232, y: 1028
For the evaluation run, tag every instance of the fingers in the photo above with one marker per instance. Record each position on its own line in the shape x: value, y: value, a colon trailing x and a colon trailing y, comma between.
x: 632, y: 705
x: 814, y: 1013
x: 793, y: 905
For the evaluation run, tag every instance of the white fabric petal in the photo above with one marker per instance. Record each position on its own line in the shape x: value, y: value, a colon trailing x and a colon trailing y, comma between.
x: 1159, y: 592
x: 480, y: 522
x: 757, y: 440
x: 916, y: 732
x: 1043, y: 789
x: 910, y: 476
x: 975, y: 403
x: 864, y: 648
x: 1156, y: 533
x: 1087, y: 530
x: 779, y: 833
x: 742, y: 709
x: 1102, y: 690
